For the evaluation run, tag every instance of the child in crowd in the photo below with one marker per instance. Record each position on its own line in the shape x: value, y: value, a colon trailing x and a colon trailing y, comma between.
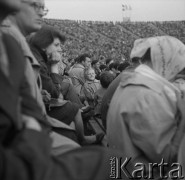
x: 105, y: 79
x: 90, y: 86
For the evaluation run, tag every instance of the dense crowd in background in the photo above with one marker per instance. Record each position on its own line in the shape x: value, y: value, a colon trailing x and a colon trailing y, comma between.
x: 78, y: 97
x: 111, y: 40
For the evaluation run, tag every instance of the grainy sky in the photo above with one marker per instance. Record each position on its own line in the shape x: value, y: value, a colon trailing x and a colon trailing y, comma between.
x: 111, y: 10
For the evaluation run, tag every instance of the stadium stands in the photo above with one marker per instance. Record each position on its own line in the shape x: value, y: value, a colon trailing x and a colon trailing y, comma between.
x: 108, y: 39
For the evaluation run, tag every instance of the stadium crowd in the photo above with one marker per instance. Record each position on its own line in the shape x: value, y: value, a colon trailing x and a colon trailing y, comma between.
x: 108, y: 39
x: 59, y: 76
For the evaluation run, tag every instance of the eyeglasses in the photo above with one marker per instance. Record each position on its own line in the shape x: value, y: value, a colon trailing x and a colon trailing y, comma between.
x: 37, y: 7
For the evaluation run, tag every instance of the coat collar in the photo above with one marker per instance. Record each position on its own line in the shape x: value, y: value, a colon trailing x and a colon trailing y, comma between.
x: 79, y: 66
x: 148, y: 79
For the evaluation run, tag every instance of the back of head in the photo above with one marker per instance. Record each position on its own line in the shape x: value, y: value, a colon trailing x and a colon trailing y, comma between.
x: 82, y: 57
x: 113, y: 65
x: 103, y: 67
x: 167, y: 54
x: 45, y: 36
x: 123, y: 66
x: 106, y: 78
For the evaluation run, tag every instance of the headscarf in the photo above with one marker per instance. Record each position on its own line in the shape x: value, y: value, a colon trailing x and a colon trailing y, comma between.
x: 167, y: 54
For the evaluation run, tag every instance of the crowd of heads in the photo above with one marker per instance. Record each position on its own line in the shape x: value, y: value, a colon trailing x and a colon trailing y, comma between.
x: 66, y: 70
x: 104, y: 40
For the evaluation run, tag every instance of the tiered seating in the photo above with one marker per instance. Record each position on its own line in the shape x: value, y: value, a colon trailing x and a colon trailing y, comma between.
x: 108, y: 39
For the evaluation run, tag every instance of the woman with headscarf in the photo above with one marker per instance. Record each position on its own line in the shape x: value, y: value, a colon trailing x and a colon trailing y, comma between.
x: 143, y: 120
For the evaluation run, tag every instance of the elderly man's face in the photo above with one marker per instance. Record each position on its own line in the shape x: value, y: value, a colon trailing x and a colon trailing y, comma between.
x: 29, y: 19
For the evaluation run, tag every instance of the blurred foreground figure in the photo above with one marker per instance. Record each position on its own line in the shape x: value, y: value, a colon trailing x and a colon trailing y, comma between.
x: 146, y: 115
x: 18, y: 25
x: 24, y: 147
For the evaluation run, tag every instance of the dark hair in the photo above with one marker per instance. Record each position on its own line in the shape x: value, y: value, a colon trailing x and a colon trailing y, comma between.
x: 106, y: 78
x: 94, y: 62
x: 102, y: 57
x: 45, y: 36
x: 123, y: 66
x: 113, y: 65
x: 82, y: 57
x: 107, y: 61
x: 146, y: 57
x: 180, y: 74
x: 135, y: 60
x: 102, y: 67
x: 76, y: 60
x: 70, y: 60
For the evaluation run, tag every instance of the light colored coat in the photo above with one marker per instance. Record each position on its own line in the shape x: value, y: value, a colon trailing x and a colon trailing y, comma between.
x: 32, y: 66
x: 139, y: 108
x: 89, y: 89
x: 142, y: 121
x: 77, y: 76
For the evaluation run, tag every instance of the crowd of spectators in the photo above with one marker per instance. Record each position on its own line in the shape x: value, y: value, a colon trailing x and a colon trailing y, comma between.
x: 111, y: 39
x: 58, y: 77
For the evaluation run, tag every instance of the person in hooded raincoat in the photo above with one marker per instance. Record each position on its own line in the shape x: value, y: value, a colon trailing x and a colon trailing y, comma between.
x: 143, y: 120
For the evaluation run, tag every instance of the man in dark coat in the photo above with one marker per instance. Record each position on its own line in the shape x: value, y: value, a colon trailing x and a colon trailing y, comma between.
x: 24, y: 146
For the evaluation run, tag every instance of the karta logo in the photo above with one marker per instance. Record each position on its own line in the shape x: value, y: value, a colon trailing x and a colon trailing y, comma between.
x: 127, y: 168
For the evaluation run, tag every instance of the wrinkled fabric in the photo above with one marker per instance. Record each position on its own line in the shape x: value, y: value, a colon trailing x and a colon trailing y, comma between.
x: 32, y: 67
x: 167, y: 54
x: 139, y: 100
x: 88, y: 90
x: 148, y: 72
x: 77, y: 76
x: 143, y: 118
x: 141, y: 121
x: 15, y: 90
x: 32, y: 75
x: 59, y: 148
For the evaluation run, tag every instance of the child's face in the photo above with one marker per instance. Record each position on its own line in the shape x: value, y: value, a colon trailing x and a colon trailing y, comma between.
x: 97, y: 65
x: 90, y: 75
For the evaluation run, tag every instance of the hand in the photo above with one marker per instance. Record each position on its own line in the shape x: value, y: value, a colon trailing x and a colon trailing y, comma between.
x: 55, y: 68
x: 45, y: 96
x: 54, y: 57
x: 31, y: 123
